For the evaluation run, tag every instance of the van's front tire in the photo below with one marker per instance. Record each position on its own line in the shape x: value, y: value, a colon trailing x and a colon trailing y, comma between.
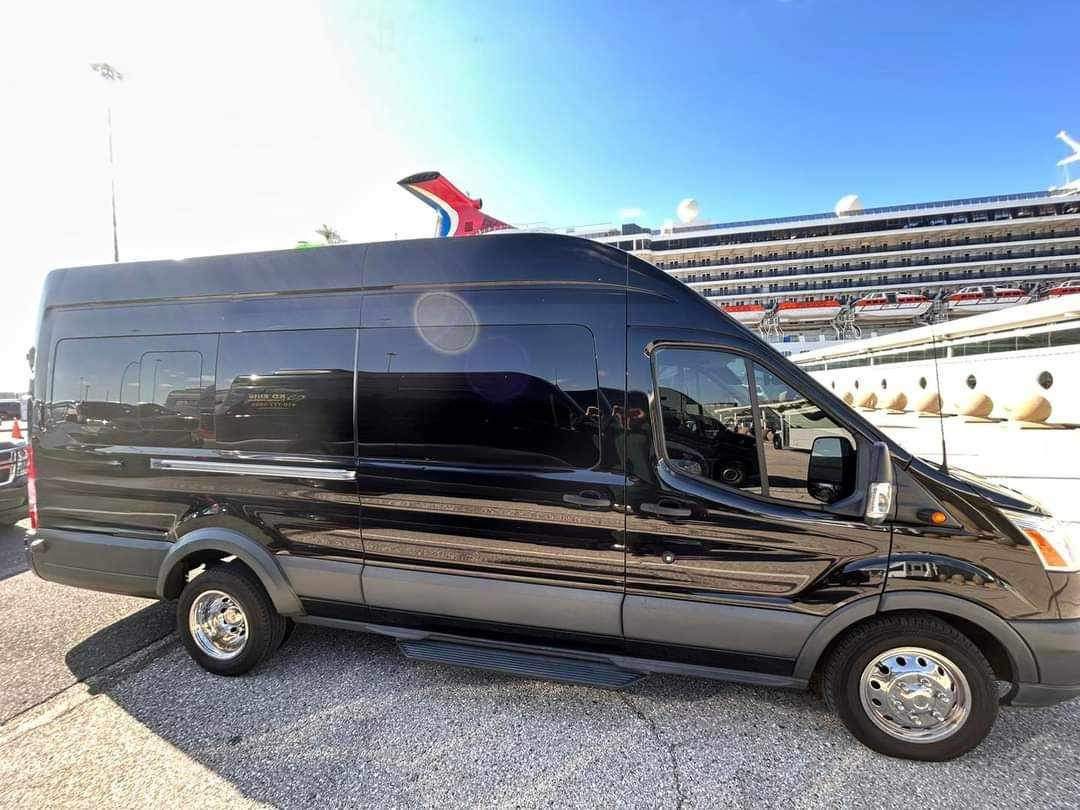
x: 912, y: 687
x: 227, y: 622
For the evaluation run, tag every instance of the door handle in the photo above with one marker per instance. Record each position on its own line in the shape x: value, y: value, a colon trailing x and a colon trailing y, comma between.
x: 589, y: 497
x: 666, y: 511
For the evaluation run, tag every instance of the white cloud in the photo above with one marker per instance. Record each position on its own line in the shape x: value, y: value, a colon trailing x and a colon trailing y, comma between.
x: 630, y: 213
x: 238, y: 127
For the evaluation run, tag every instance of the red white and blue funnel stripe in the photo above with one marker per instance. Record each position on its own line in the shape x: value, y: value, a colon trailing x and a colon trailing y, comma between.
x: 459, y: 215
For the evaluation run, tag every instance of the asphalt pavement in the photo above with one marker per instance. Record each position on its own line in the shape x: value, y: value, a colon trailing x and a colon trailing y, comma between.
x: 101, y: 705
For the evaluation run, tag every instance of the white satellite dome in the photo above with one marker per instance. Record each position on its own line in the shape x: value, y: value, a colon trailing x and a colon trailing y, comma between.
x: 687, y: 210
x: 848, y: 204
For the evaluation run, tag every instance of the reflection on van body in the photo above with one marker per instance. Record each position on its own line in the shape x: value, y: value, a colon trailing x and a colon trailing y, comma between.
x: 280, y: 412
x: 533, y: 454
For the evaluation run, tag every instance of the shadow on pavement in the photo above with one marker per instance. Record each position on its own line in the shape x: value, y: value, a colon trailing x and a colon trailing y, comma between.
x: 121, y: 639
x: 338, y: 717
x: 12, y: 556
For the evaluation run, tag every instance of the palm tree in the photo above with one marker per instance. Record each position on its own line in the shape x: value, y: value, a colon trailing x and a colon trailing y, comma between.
x: 329, y: 235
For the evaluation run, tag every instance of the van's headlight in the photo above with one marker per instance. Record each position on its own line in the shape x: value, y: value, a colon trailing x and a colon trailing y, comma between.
x: 1056, y: 543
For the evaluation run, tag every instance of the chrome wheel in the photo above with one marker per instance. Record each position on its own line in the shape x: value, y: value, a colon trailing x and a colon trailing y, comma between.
x: 218, y: 625
x: 915, y: 695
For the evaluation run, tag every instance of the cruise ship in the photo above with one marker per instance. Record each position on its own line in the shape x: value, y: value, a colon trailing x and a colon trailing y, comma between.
x: 816, y: 277
x: 886, y: 268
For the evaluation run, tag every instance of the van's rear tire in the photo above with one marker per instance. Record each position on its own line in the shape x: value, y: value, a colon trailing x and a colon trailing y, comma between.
x: 227, y: 622
x: 912, y: 687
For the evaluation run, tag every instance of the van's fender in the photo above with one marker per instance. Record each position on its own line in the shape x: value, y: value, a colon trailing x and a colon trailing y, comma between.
x: 829, y: 629
x: 230, y: 543
x: 1023, y: 661
x: 1025, y: 669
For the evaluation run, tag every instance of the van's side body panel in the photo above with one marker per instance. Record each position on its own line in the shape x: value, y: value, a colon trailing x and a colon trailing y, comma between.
x: 260, y: 384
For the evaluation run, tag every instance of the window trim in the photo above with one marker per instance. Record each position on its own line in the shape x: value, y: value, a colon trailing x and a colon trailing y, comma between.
x: 759, y: 425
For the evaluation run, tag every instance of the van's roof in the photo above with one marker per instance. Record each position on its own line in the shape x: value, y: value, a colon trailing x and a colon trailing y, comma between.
x: 512, y: 258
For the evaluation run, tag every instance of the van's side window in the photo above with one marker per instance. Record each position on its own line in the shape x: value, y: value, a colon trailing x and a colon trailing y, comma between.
x: 792, y: 423
x: 286, y: 392
x: 148, y: 390
x: 480, y: 394
x: 711, y: 428
x: 706, y: 415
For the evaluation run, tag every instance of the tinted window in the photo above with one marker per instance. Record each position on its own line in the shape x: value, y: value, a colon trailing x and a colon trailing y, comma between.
x: 792, y: 422
x: 708, y: 427
x: 501, y: 395
x: 150, y: 391
x: 286, y: 392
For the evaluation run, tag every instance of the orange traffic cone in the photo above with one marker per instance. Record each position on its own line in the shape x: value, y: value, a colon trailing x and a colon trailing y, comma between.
x: 16, y: 431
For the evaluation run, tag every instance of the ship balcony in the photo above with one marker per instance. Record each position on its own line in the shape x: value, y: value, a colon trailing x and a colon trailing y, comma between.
x: 1018, y: 245
x: 968, y: 277
x: 922, y: 271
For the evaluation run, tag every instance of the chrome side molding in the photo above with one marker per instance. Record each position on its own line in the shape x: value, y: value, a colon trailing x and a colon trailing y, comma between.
x: 240, y: 468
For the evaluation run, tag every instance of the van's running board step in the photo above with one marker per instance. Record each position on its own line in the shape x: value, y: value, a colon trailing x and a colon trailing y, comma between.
x: 526, y: 664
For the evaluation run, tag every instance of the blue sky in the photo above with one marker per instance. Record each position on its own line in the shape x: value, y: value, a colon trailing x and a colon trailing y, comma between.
x: 245, y: 125
x: 755, y: 108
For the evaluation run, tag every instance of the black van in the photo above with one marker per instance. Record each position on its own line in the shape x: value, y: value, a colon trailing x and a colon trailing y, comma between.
x: 533, y: 454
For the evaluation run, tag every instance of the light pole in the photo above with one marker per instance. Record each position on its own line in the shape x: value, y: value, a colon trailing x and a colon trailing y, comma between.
x: 123, y: 375
x: 110, y: 74
x: 153, y: 394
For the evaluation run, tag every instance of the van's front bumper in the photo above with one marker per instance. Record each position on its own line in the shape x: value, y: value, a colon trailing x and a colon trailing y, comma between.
x: 1056, y: 647
x: 100, y: 562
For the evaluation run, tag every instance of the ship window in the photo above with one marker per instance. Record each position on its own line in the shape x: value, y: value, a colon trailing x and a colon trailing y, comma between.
x: 1065, y: 337
x: 1001, y: 345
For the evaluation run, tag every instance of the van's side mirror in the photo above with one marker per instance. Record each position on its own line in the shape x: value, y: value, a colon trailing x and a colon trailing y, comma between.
x: 831, y: 475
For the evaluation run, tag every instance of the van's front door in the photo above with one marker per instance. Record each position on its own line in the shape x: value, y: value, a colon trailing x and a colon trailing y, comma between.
x: 729, y: 557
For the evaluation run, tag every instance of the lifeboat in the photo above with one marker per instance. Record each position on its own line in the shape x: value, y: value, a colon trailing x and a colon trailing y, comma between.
x: 822, y: 310
x: 744, y: 313
x: 971, y: 300
x: 882, y: 306
x: 1071, y: 287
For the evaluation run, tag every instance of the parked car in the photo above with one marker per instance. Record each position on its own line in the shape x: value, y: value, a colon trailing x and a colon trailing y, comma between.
x: 515, y: 452
x: 13, y: 500
x: 10, y: 409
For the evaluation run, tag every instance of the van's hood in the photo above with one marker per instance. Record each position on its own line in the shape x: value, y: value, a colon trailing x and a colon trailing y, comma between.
x: 973, y: 484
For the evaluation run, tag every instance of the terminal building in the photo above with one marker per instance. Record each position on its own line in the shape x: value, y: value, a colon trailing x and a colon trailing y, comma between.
x: 835, y: 275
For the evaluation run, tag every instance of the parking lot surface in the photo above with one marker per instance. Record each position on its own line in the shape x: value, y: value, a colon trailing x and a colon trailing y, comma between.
x: 101, y: 705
